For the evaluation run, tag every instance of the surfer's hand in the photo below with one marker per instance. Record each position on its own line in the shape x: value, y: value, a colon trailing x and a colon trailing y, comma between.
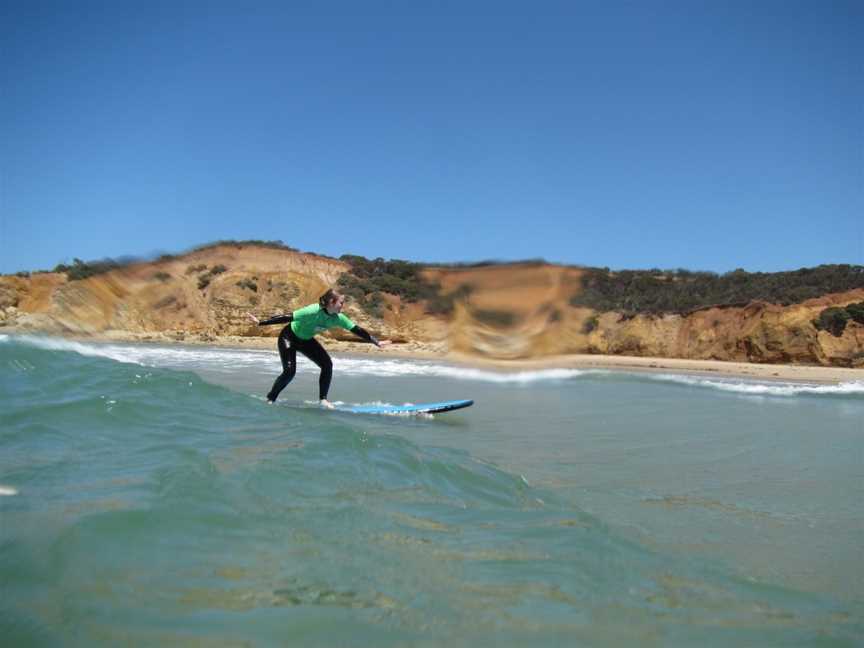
x: 253, y: 318
x: 326, y: 404
x: 383, y: 343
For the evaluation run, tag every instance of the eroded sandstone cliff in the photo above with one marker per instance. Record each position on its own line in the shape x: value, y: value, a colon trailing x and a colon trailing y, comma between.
x: 501, y: 311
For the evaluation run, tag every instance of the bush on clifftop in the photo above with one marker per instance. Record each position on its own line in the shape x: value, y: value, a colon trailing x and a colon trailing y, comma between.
x: 277, y: 245
x: 84, y: 269
x: 680, y: 291
x: 835, y: 319
x: 368, y: 278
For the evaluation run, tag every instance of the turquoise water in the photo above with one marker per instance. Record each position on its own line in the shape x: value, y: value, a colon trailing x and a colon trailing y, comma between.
x: 148, y: 496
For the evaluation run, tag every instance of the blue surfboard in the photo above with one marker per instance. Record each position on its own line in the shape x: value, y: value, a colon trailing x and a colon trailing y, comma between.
x: 422, y: 408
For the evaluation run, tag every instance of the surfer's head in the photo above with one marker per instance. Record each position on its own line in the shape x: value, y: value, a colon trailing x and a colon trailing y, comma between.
x: 332, y: 301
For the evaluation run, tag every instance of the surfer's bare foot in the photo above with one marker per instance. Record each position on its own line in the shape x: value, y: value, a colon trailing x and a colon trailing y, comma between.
x: 326, y: 404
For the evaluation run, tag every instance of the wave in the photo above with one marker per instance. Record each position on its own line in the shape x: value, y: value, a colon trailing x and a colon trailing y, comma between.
x: 229, y: 361
x: 116, y: 469
x: 145, y: 354
x: 393, y: 368
x: 755, y: 388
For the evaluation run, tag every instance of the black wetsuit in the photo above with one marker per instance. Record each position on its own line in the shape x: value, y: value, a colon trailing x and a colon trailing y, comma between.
x: 289, y: 344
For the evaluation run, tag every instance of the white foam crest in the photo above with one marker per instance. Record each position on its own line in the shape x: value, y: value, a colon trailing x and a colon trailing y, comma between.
x: 7, y: 491
x: 154, y: 355
x: 114, y: 352
x: 391, y: 367
x: 754, y: 388
x: 339, y: 403
x: 379, y: 403
x: 342, y: 406
x: 229, y: 360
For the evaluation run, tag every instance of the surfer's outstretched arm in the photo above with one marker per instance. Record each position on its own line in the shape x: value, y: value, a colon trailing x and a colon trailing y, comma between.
x: 277, y: 319
x: 363, y: 334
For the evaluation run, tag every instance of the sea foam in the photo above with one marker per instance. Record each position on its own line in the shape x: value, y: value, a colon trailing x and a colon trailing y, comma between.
x: 755, y: 388
x: 228, y: 361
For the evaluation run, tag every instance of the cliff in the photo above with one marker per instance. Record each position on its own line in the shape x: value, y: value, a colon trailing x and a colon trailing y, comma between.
x: 500, y: 311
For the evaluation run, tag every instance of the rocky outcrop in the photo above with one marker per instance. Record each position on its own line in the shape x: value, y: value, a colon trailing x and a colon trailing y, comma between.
x: 504, y: 311
x: 758, y: 332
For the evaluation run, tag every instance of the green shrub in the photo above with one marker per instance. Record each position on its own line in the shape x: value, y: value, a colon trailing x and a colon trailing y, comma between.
x: 683, y: 291
x: 278, y: 245
x: 248, y: 283
x: 833, y: 320
x: 856, y: 312
x: 204, y: 279
x: 590, y: 324
x: 162, y: 276
x: 487, y: 263
x: 374, y: 304
x: 82, y: 270
x: 396, y: 277
x: 192, y: 269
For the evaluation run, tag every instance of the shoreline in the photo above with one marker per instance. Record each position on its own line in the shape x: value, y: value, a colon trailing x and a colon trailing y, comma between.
x: 437, y: 351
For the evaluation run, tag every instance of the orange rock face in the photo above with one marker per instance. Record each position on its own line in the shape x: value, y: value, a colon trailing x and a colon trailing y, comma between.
x: 503, y: 311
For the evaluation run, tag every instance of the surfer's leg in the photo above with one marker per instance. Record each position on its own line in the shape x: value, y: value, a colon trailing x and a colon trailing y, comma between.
x: 288, y: 355
x: 313, y: 350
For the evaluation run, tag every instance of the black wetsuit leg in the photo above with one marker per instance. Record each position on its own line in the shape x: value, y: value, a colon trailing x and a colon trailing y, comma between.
x: 313, y: 350
x: 289, y: 344
x: 288, y: 355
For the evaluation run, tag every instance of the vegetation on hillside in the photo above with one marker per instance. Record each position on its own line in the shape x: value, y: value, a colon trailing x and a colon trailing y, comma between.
x: 834, y: 319
x: 369, y: 279
x: 488, y: 263
x: 204, y: 279
x: 680, y: 291
x: 84, y: 269
x: 629, y: 292
x: 248, y: 284
x: 278, y: 245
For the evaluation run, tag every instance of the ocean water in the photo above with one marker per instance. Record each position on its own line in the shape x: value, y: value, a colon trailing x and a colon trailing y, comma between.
x: 148, y: 496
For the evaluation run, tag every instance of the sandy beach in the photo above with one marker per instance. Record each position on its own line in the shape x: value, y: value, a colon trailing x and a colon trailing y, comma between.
x: 438, y: 351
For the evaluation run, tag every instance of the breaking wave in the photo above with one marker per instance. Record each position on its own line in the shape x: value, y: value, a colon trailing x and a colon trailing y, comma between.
x: 229, y: 360
x: 755, y: 388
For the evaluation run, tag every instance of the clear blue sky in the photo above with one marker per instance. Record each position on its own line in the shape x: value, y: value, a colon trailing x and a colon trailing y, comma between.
x: 699, y: 134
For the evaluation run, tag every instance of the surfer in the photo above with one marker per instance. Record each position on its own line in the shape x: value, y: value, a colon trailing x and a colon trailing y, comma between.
x: 299, y: 335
